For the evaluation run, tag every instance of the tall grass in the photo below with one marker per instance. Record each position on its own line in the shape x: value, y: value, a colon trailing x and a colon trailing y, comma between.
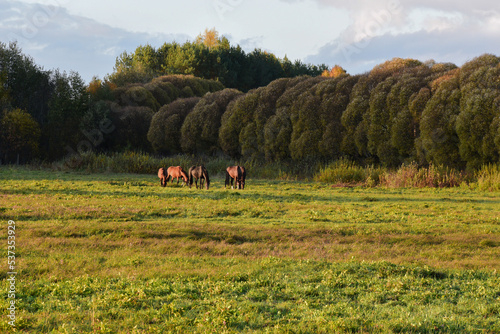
x: 136, y: 162
x: 488, y: 177
x: 341, y: 172
x: 433, y: 176
x: 345, y: 172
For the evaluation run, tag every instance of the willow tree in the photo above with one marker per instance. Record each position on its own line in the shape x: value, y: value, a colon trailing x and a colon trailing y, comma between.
x: 438, y: 136
x: 200, y: 129
x: 479, y: 107
x: 164, y: 133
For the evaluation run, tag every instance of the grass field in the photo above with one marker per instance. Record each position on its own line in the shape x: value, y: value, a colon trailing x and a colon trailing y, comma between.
x: 116, y: 253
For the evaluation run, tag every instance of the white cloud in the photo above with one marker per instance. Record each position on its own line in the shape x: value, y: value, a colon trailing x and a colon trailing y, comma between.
x: 456, y: 45
x: 88, y: 36
x: 443, y: 30
x: 57, y: 39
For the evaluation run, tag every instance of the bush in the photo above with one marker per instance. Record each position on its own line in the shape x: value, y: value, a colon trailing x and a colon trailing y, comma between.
x: 346, y: 172
x: 432, y: 176
x: 488, y: 177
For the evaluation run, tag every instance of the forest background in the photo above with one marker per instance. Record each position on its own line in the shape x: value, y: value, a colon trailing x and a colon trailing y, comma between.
x: 209, y: 98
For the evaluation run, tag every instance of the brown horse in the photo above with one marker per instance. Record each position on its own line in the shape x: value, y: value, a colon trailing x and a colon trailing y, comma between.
x: 176, y: 172
x: 201, y: 173
x: 238, y: 174
x: 162, y: 174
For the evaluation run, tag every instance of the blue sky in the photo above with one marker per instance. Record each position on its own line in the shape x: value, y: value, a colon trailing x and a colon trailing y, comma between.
x: 87, y: 36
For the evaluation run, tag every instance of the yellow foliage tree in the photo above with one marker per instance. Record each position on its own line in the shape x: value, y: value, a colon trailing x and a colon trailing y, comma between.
x: 209, y: 38
x: 335, y: 72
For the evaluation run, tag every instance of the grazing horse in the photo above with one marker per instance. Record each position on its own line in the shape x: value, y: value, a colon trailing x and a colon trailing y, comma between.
x: 162, y: 174
x: 176, y: 172
x: 238, y: 174
x: 201, y: 173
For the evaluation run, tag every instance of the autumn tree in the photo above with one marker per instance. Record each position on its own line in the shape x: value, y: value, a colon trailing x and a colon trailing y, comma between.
x: 210, y: 38
x: 335, y: 72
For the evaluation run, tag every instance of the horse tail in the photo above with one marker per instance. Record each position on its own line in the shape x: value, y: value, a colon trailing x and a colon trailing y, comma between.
x: 190, y: 176
x: 205, y: 175
x: 227, y: 179
x: 243, y: 177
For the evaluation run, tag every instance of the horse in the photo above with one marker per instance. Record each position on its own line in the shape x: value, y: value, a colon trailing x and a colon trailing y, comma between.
x: 238, y: 174
x: 176, y: 172
x: 201, y: 173
x: 162, y: 174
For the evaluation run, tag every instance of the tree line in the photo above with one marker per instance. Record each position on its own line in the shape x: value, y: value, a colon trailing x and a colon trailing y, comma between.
x: 402, y: 111
x: 209, y: 57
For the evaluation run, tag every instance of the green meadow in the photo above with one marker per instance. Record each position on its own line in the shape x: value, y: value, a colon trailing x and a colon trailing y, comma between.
x: 117, y: 253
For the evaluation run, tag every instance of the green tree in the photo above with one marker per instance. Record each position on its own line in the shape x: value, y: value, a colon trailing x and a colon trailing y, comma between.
x: 437, y: 126
x: 25, y: 85
x: 479, y: 107
x: 334, y: 94
x: 68, y: 104
x: 278, y: 128
x: 305, y: 118
x: 379, y: 136
x: 19, y: 136
x: 131, y: 128
x: 238, y: 115
x: 200, y: 130
x: 354, y: 143
x: 210, y: 56
x: 164, y: 134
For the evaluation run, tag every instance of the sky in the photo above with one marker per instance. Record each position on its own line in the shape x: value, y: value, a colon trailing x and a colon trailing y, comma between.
x: 88, y: 36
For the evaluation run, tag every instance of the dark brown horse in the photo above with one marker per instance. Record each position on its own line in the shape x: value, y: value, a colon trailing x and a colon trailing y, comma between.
x: 175, y: 172
x: 201, y: 173
x: 162, y: 174
x: 238, y: 174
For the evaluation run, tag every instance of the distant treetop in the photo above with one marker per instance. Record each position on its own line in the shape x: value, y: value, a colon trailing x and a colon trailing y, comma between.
x: 209, y: 57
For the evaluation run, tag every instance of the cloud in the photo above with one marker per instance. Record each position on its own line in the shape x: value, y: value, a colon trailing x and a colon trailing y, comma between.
x: 443, y: 30
x: 456, y: 46
x: 57, y: 39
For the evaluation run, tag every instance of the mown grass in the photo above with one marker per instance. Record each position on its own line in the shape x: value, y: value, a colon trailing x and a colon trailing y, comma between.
x: 118, y: 253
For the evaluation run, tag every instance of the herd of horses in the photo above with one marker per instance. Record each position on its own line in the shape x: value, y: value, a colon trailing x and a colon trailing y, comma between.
x: 233, y: 173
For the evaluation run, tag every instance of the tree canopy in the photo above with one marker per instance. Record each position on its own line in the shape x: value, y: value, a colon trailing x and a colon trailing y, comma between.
x: 212, y: 57
x: 208, y: 97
